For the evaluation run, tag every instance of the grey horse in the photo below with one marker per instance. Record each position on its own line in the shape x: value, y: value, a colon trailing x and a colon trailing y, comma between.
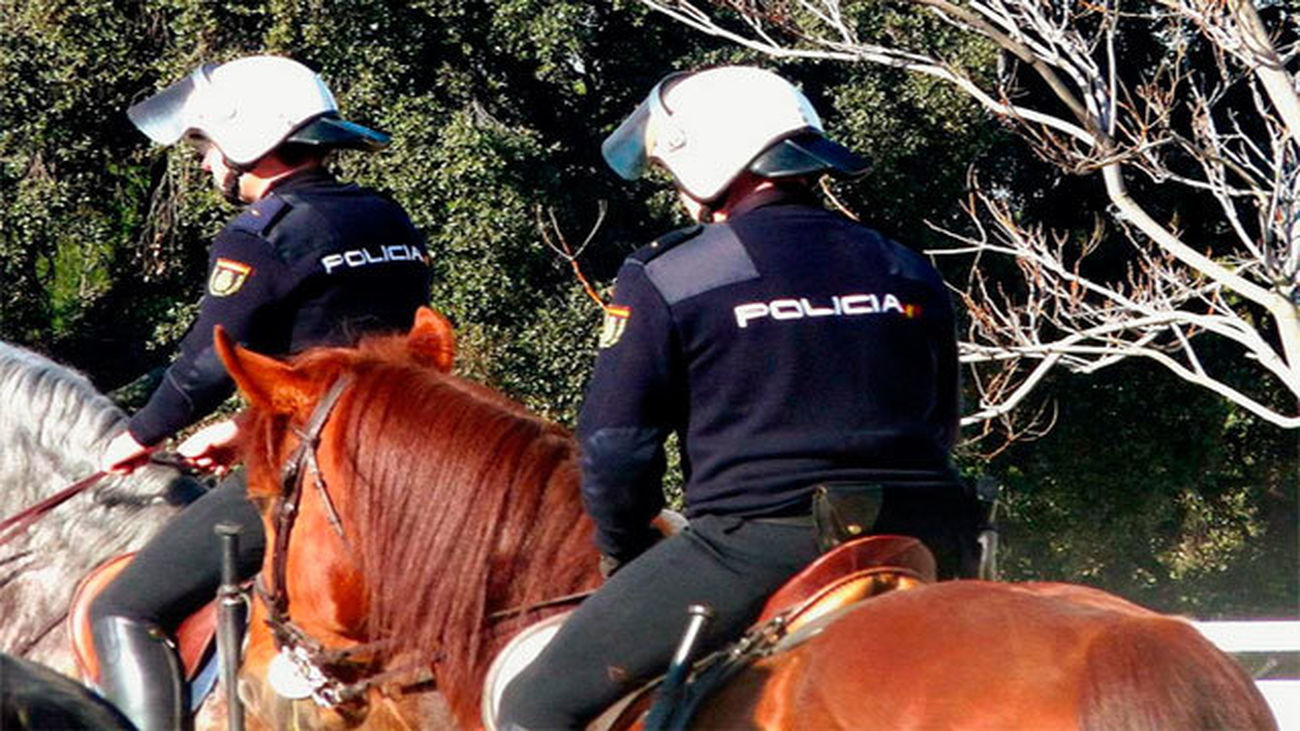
x: 53, y: 427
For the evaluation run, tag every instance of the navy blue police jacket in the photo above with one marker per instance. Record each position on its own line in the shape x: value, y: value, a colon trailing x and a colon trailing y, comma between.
x: 787, y: 347
x: 314, y: 262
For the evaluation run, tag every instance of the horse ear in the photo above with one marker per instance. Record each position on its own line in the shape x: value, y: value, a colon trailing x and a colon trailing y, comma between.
x: 266, y: 382
x: 432, y: 342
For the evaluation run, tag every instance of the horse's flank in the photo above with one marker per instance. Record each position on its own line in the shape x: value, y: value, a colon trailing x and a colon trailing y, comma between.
x: 457, y: 503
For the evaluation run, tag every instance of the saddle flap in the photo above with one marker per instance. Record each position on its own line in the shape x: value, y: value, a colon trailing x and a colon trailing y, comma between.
x: 850, y: 572
x: 195, y: 635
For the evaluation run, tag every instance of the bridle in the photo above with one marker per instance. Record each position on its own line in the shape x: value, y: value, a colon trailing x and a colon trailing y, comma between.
x: 322, y: 668
x: 290, y: 497
x: 325, y: 669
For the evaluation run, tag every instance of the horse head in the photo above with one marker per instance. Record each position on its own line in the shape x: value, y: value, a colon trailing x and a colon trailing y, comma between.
x: 426, y: 505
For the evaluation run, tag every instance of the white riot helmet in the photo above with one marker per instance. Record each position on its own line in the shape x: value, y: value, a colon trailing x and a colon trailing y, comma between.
x: 248, y: 107
x: 708, y: 127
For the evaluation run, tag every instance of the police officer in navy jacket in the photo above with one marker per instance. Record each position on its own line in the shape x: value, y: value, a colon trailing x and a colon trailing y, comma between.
x: 311, y: 261
x: 787, y: 347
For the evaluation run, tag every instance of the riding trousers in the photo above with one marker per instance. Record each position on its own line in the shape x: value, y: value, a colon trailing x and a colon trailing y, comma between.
x: 626, y: 633
x: 179, y: 570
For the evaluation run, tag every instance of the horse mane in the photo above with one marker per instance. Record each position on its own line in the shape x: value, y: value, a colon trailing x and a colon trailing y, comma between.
x: 50, y: 408
x: 54, y: 427
x: 463, y: 504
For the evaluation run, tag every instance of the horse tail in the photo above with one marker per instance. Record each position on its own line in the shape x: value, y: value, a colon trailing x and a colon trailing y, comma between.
x: 1160, y: 673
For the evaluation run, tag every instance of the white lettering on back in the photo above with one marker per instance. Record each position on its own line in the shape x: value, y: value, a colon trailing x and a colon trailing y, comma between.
x: 356, y: 258
x: 846, y: 305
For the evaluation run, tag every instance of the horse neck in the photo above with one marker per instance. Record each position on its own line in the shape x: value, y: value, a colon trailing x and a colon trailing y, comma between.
x: 54, y: 427
x: 468, y: 506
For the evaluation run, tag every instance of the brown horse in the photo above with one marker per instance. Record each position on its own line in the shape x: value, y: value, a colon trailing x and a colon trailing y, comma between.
x: 457, y: 508
x: 456, y: 504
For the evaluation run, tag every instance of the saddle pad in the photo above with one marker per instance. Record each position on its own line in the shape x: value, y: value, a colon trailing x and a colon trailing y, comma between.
x: 521, y: 650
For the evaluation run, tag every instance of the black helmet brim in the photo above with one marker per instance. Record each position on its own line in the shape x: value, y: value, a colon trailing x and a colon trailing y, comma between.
x: 332, y: 131
x: 809, y: 152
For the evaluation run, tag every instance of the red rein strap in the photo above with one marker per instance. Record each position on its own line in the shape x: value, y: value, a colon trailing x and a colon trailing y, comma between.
x: 14, y: 525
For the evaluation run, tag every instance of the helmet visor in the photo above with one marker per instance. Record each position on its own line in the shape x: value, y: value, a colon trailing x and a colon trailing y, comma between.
x: 627, y: 149
x: 809, y: 152
x: 164, y: 117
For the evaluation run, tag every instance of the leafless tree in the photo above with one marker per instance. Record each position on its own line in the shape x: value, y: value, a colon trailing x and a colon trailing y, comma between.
x: 1219, y: 117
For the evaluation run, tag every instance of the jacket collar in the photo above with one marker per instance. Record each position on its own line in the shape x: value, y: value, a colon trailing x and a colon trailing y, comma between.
x: 301, y: 179
x: 777, y: 195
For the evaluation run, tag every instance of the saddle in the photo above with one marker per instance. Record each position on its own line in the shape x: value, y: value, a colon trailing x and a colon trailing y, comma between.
x: 195, y: 639
x: 849, y: 573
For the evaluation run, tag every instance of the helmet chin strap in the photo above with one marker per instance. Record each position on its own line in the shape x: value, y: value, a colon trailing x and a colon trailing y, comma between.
x: 230, y: 187
x: 702, y: 211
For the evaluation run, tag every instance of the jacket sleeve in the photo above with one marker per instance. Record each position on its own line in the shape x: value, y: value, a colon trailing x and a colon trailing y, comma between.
x: 632, y: 403
x: 243, y: 273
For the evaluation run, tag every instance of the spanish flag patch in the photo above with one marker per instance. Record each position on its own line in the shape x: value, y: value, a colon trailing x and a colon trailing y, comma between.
x: 227, y: 277
x: 611, y: 330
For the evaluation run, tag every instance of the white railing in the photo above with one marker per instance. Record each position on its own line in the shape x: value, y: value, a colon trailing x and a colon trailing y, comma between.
x: 1277, y: 636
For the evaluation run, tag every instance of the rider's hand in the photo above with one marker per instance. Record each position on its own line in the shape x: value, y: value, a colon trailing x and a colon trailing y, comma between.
x: 213, y: 447
x: 124, y: 454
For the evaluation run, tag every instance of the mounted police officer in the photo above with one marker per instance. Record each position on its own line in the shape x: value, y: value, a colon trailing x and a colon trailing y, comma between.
x: 311, y: 261
x: 788, y: 347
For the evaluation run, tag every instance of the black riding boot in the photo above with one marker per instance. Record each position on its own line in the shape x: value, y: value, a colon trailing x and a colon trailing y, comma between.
x: 140, y: 673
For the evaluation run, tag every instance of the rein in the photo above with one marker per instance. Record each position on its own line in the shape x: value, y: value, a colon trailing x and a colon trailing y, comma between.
x: 14, y: 525
x: 559, y: 601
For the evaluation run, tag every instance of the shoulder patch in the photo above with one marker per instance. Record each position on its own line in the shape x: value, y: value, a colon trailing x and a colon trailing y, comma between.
x: 227, y: 277
x: 259, y: 217
x: 666, y: 243
x: 611, y: 330
x: 715, y: 259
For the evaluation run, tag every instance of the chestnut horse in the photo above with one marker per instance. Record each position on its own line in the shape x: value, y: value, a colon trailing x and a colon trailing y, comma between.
x: 457, y: 506
x: 455, y: 502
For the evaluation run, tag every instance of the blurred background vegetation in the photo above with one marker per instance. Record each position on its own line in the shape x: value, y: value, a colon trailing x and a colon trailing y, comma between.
x: 1146, y: 486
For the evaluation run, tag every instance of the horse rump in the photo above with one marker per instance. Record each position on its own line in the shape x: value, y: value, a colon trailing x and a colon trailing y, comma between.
x: 1160, y: 673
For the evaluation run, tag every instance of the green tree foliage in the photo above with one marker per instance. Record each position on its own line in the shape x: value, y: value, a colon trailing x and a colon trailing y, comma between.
x: 1156, y: 490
